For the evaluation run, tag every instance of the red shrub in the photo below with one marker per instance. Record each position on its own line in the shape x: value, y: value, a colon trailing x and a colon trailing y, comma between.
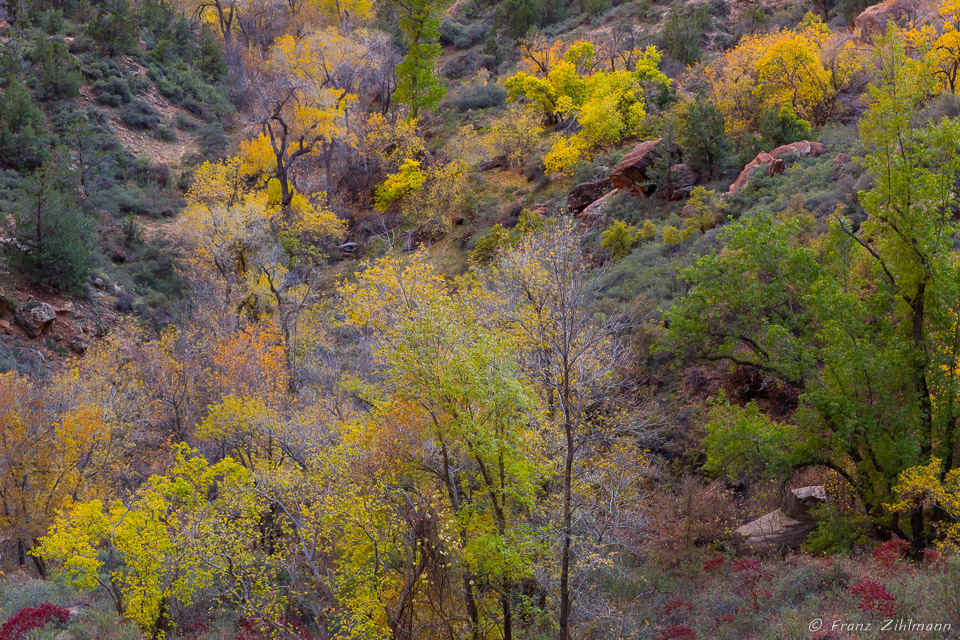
x: 751, y: 574
x: 677, y: 605
x: 678, y: 632
x: 713, y: 563
x: 889, y: 553
x: 32, y: 618
x: 935, y: 560
x: 873, y: 596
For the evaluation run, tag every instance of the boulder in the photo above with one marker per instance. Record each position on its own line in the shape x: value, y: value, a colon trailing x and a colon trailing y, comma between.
x: 840, y: 160
x: 35, y: 317
x: 631, y: 173
x: 4, y: 303
x: 585, y: 194
x: 873, y: 21
x: 763, y: 159
x: 800, y: 149
x: 683, y: 178
x: 595, y: 213
x: 787, y: 527
x: 776, y: 161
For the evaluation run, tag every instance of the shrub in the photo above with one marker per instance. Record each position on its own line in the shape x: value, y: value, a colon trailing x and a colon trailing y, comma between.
x: 782, y: 126
x: 672, y: 235
x: 619, y: 239
x: 677, y: 632
x: 889, y: 554
x: 166, y: 134
x: 683, y: 34
x: 462, y: 36
x: 489, y: 244
x: 836, y: 532
x: 872, y: 595
x: 751, y: 574
x: 185, y: 123
x: 140, y: 115
x: 213, y: 141
x: 480, y: 96
x: 32, y: 618
x: 112, y: 91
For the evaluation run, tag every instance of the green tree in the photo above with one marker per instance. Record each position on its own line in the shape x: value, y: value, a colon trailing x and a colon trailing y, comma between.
x: 113, y: 27
x: 52, y: 235
x: 418, y: 83
x: 702, y: 136
x: 60, y: 75
x: 22, y: 133
x: 868, y: 316
x: 782, y: 126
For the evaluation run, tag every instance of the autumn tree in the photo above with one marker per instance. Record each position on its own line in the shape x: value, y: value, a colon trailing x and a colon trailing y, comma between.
x: 418, y: 84
x: 572, y: 356
x: 453, y: 380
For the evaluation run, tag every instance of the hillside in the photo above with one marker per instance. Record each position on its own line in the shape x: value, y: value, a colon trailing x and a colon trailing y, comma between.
x: 534, y: 319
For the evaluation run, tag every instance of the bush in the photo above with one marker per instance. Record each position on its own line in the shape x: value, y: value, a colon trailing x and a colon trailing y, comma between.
x: 112, y: 91
x: 145, y: 172
x: 213, y: 141
x: 836, y: 532
x: 683, y: 34
x: 462, y: 36
x: 166, y: 134
x: 32, y: 618
x: 140, y: 115
x: 184, y: 122
x: 782, y: 126
x: 480, y: 96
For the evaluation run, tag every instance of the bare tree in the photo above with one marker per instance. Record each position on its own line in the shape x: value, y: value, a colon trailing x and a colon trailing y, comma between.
x: 549, y: 289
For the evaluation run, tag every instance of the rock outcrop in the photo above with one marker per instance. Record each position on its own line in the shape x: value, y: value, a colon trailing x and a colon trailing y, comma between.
x: 595, y: 213
x: 585, y: 194
x: 787, y: 527
x: 631, y: 173
x: 775, y: 161
x: 683, y: 178
x: 35, y: 317
x: 873, y: 21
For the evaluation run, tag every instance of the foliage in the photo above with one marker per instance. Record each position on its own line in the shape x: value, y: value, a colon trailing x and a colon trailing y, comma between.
x: 701, y: 135
x: 53, y: 235
x: 22, y: 128
x: 418, y: 85
x: 608, y: 106
x: 857, y: 303
x: 836, y: 533
x: 31, y: 618
x: 60, y: 75
x: 619, y: 239
x: 683, y: 33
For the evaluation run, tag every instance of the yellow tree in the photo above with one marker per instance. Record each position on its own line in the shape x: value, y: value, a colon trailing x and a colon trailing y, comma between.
x: 54, y: 449
x: 944, y: 45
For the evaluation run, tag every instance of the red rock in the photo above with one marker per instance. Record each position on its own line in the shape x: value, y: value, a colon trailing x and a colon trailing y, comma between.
x: 583, y: 195
x: 631, y: 173
x: 873, y: 21
x: 776, y: 160
x: 595, y: 213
